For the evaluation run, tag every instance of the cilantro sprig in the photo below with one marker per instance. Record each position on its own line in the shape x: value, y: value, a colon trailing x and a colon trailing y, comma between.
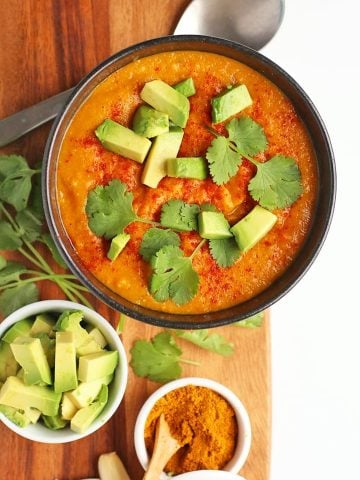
x: 277, y: 183
x: 21, y: 226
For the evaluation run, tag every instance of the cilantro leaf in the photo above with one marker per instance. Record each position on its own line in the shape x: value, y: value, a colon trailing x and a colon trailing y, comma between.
x: 14, y: 298
x: 109, y: 209
x: 15, y: 181
x: 251, y: 322
x: 9, y: 239
x: 248, y: 136
x: 223, y: 160
x: 11, y: 272
x: 225, y: 251
x: 156, y: 238
x: 157, y: 359
x: 46, y: 238
x: 29, y: 224
x: 214, y: 342
x: 174, y: 277
x: 277, y: 183
x: 179, y: 215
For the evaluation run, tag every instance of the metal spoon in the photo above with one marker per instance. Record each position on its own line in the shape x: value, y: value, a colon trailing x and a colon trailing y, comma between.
x: 251, y: 22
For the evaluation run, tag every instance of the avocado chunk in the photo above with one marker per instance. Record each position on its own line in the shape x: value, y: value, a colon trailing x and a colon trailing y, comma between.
x: 89, y: 346
x: 32, y: 414
x: 48, y: 345
x: 213, y: 226
x: 16, y: 416
x: 117, y: 245
x: 29, y: 353
x: 8, y: 364
x: 97, y: 336
x: 54, y: 423
x: 43, y: 323
x: 252, y: 228
x: 149, y: 123
x: 65, y: 362
x: 186, y: 87
x: 166, y: 99
x: 69, y: 321
x: 14, y: 393
x: 165, y: 146
x: 84, y: 417
x: 187, y: 167
x: 19, y: 329
x: 67, y: 408
x: 86, y: 392
x: 229, y: 103
x: 122, y: 140
x: 97, y: 365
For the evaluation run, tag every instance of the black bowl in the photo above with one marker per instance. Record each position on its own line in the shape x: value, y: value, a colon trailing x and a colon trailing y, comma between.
x: 322, y: 212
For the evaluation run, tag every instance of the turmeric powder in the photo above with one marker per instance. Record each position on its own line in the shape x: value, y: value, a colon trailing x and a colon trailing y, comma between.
x: 204, y: 424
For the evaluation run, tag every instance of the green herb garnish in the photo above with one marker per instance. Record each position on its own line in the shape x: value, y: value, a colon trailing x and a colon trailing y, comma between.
x: 156, y: 238
x: 179, y: 215
x: 251, y: 322
x: 158, y: 359
x: 223, y: 160
x: 225, y: 252
x: 21, y: 225
x: 209, y: 341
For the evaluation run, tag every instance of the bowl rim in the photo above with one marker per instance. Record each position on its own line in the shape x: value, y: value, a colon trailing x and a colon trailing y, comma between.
x: 177, y: 320
x: 242, y: 417
x: 38, y: 432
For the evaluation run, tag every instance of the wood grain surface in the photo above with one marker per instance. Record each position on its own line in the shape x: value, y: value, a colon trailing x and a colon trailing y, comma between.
x: 46, y: 46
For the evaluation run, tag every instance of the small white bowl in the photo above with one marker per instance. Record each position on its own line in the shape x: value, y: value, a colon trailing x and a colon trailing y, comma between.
x: 244, y: 428
x: 38, y: 432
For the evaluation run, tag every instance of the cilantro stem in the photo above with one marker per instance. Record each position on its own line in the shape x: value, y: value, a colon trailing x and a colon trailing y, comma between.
x: 197, y: 249
x: 45, y: 266
x: 149, y: 222
x: 30, y: 258
x: 189, y: 362
x: 121, y: 325
x: 74, y: 289
x: 8, y: 216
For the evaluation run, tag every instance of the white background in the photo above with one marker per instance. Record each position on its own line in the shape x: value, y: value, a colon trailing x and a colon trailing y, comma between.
x: 316, y: 328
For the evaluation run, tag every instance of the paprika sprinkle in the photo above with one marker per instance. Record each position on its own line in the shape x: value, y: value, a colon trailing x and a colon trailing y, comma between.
x: 204, y: 424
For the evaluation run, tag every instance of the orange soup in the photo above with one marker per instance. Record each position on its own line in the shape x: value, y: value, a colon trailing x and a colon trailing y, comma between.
x: 84, y: 164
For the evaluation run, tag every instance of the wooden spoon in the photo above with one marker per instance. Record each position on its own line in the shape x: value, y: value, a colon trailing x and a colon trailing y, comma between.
x: 164, y: 448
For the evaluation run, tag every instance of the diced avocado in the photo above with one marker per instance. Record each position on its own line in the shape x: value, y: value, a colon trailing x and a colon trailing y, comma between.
x: 166, y: 99
x: 89, y: 346
x: 186, y: 87
x: 15, y: 393
x: 29, y: 353
x: 98, y: 336
x: 149, y: 123
x: 20, y: 374
x: 252, y: 228
x: 85, y: 393
x: 32, y: 414
x: 117, y: 245
x: 16, y: 416
x: 84, y: 417
x: 65, y: 362
x: 48, y: 345
x: 43, y: 323
x: 67, y: 408
x: 19, y: 329
x: 229, y: 103
x: 8, y: 364
x: 187, y: 167
x: 69, y: 321
x: 165, y: 146
x: 97, y: 365
x: 54, y: 423
x: 213, y: 226
x: 122, y: 140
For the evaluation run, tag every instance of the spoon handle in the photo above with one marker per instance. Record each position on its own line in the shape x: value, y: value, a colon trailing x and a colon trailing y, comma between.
x: 22, y: 122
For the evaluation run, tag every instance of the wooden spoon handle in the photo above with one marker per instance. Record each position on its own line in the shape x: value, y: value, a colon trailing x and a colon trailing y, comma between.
x: 164, y: 448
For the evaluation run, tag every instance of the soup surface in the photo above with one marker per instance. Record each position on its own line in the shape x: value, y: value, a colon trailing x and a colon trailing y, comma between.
x: 84, y: 164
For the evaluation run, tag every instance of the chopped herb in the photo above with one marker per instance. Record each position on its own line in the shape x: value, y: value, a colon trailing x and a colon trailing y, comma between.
x: 156, y: 238
x: 157, y: 359
x: 251, y: 322
x: 173, y: 277
x: 225, y: 251
x: 223, y: 160
x: 277, y: 183
x: 209, y: 341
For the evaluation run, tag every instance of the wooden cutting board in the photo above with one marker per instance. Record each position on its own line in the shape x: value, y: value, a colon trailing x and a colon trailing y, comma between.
x: 46, y: 46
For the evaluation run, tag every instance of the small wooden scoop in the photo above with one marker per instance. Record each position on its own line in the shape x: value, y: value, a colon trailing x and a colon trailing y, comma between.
x: 164, y: 448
